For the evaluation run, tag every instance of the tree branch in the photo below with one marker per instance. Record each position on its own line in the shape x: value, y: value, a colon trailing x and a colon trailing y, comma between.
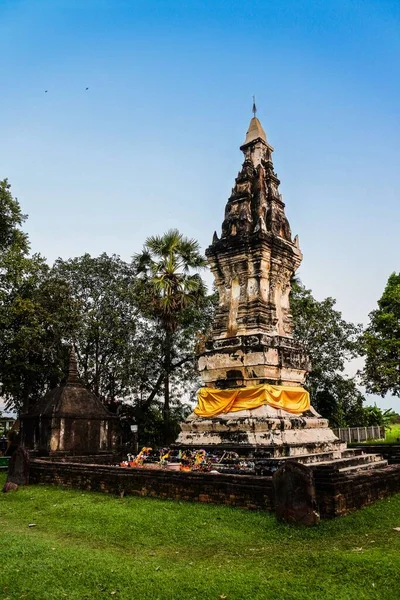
x: 160, y: 379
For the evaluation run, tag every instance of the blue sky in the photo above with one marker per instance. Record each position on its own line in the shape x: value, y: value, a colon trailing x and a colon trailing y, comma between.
x: 154, y: 142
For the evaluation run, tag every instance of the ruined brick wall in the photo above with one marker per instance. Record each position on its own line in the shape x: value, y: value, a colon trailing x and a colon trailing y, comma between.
x: 91, y: 459
x: 233, y: 490
x: 337, y: 494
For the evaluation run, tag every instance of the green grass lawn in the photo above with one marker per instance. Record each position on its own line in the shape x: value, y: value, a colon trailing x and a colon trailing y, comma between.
x: 94, y: 546
x: 393, y: 435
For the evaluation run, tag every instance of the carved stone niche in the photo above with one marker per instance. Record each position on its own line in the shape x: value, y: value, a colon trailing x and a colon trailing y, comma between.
x: 233, y: 378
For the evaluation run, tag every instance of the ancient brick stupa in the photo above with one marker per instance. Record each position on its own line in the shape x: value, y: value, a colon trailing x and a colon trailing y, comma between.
x: 252, y: 368
x: 69, y: 419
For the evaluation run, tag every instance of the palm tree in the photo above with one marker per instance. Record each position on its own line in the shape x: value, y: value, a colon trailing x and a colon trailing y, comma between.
x: 169, y: 286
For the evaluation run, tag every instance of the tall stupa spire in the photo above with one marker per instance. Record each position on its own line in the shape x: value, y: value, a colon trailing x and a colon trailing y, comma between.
x: 252, y: 262
x: 73, y: 378
x: 255, y: 146
x: 255, y: 132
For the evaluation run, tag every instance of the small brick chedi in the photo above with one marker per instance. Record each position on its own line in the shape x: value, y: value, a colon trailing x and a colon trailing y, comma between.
x: 252, y: 367
x: 69, y: 419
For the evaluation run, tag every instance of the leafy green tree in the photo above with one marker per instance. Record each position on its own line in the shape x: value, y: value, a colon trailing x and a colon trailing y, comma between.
x: 376, y: 416
x: 330, y: 342
x: 135, y: 327
x: 382, y: 342
x: 121, y: 349
x: 173, y: 295
x: 105, y: 325
x: 38, y: 332
x: 148, y: 398
x: 33, y: 324
x: 395, y: 419
x: 12, y: 238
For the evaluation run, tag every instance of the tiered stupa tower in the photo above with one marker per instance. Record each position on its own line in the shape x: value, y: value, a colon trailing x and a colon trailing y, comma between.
x: 252, y: 367
x: 253, y: 262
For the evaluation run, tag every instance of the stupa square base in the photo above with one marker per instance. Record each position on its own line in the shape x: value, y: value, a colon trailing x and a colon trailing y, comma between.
x: 266, y: 430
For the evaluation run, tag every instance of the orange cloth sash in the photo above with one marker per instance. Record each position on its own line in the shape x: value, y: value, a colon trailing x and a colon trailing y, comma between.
x: 212, y: 402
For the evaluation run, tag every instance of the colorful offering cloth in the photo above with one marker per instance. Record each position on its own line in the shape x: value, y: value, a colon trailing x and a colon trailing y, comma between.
x: 212, y: 402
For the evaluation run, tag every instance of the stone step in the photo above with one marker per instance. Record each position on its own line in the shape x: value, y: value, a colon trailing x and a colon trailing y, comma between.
x: 302, y: 458
x: 350, y: 461
x: 377, y: 464
x: 334, y: 460
x: 318, y: 457
x: 352, y: 452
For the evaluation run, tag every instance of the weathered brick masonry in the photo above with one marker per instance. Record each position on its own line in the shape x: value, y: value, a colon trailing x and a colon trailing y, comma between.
x: 337, y: 493
x: 90, y: 459
x: 234, y: 490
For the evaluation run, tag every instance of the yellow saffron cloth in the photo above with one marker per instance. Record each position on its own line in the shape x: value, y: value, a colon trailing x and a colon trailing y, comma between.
x: 212, y: 402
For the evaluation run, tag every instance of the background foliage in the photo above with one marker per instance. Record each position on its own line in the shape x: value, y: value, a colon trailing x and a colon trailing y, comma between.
x: 137, y: 327
x: 382, y: 342
x: 331, y: 342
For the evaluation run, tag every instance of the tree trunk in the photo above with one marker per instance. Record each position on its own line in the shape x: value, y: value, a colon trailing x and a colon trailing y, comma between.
x: 96, y: 382
x: 26, y: 399
x: 166, y: 408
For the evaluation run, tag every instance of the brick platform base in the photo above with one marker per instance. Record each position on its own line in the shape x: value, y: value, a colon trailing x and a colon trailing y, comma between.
x: 337, y: 493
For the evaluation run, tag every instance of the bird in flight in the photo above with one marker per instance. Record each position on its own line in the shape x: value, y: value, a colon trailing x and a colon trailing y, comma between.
x: 45, y: 91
